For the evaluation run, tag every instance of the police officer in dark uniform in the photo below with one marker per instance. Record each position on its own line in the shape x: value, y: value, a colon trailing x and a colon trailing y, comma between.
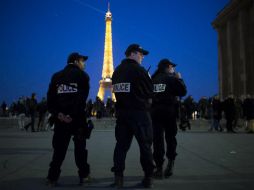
x: 167, y: 86
x: 133, y: 91
x: 67, y: 94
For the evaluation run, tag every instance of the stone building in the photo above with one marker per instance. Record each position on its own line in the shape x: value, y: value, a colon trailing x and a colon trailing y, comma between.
x: 235, y: 27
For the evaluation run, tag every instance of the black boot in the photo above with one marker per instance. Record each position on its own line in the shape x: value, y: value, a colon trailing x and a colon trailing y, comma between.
x: 83, y: 180
x: 158, y: 174
x: 147, y: 182
x: 118, y: 183
x: 169, y: 170
x: 51, y: 183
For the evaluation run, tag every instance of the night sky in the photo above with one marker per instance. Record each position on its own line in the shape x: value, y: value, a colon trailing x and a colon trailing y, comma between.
x: 36, y: 36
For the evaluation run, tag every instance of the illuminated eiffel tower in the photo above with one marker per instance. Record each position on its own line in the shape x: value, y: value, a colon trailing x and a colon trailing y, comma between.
x: 108, y: 68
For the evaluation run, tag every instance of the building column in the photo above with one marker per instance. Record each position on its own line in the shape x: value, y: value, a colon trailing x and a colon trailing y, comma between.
x: 243, y: 57
x: 220, y: 60
x: 230, y: 58
x: 251, y: 48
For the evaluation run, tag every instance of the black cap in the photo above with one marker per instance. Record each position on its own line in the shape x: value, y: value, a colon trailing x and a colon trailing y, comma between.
x: 76, y: 56
x: 135, y: 48
x: 165, y: 62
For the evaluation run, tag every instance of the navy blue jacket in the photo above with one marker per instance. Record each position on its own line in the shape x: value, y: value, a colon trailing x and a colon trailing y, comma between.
x: 68, y: 91
x: 132, y: 86
x: 166, y: 88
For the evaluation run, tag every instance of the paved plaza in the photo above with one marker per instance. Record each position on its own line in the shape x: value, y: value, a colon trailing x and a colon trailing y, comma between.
x: 206, y: 160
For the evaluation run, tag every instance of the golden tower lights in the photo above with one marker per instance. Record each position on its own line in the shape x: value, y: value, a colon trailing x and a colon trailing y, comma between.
x: 108, y: 69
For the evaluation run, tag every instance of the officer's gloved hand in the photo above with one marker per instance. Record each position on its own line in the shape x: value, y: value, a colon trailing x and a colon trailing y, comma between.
x: 64, y: 118
x: 67, y: 119
x: 60, y: 116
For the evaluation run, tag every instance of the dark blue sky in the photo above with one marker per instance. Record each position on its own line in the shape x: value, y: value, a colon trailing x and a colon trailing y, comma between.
x: 36, y: 37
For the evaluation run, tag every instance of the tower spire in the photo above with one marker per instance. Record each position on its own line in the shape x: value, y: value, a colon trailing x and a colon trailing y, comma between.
x: 108, y: 6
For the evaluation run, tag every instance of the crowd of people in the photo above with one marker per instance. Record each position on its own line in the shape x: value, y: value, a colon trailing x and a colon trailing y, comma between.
x: 238, y: 112
x: 28, y: 107
x: 234, y: 110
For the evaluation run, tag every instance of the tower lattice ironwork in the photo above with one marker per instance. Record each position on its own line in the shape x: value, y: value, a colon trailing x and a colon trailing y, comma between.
x: 108, y: 68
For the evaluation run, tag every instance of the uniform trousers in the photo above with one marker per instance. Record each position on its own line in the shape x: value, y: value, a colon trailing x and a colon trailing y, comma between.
x: 164, y: 127
x: 132, y: 123
x: 61, y: 139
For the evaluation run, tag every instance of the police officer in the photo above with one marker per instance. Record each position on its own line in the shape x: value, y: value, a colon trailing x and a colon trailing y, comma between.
x: 133, y: 91
x: 167, y: 86
x: 67, y: 94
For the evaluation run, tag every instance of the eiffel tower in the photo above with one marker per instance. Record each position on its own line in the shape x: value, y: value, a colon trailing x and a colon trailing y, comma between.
x: 108, y: 69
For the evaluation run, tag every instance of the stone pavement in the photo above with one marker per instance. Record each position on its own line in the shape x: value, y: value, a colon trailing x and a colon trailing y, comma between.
x: 206, y: 160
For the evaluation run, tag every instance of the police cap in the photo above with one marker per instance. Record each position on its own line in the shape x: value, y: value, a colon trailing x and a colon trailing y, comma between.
x: 135, y: 48
x: 76, y: 56
x: 165, y: 62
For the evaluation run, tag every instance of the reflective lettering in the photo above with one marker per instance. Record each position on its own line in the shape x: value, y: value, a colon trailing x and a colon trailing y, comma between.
x: 122, y: 87
x: 67, y: 89
x: 159, y: 87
